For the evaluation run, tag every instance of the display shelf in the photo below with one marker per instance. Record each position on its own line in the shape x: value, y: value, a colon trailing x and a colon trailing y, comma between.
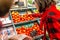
x: 31, y: 7
x: 31, y: 22
x: 7, y: 25
x: 25, y: 23
x: 19, y: 8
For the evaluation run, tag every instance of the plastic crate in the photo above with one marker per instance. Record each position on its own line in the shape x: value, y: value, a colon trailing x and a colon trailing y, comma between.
x: 33, y: 31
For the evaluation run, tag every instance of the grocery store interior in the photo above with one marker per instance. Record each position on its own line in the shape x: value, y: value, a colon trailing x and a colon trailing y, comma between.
x: 21, y: 25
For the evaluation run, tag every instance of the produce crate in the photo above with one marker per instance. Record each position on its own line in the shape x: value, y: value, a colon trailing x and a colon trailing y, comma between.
x: 21, y: 16
x: 29, y: 28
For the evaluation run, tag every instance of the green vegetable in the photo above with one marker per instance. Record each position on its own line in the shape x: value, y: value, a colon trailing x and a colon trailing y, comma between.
x: 30, y: 1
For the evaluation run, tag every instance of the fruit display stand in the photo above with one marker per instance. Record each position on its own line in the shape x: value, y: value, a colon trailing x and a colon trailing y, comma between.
x: 24, y: 23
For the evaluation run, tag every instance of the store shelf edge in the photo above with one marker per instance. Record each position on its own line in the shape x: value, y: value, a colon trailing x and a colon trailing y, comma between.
x: 8, y: 25
x: 23, y: 8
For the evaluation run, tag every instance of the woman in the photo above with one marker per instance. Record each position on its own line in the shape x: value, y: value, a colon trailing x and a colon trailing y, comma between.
x: 5, y: 5
x: 50, y: 17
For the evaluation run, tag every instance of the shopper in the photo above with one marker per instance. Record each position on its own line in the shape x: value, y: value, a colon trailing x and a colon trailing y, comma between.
x: 50, y: 18
x: 5, y: 5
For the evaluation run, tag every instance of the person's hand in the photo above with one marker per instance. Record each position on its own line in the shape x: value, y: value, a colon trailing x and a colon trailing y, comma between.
x: 25, y: 37
x: 20, y: 37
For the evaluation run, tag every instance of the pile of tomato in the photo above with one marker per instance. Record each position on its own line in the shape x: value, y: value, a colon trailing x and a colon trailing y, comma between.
x: 27, y: 31
x: 20, y: 18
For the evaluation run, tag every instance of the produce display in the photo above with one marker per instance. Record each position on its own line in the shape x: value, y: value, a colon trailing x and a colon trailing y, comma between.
x: 20, y: 18
x: 26, y: 23
x: 34, y: 30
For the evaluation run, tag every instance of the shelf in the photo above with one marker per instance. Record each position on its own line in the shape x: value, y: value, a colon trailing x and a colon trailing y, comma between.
x: 31, y: 7
x: 7, y: 25
x: 19, y: 8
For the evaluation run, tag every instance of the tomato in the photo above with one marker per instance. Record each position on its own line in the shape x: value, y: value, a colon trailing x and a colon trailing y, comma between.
x: 34, y: 29
x: 18, y: 17
x: 42, y: 32
x: 13, y: 16
x: 38, y: 33
x: 17, y: 29
x: 18, y: 20
x: 15, y: 21
x: 23, y: 31
x: 18, y: 32
x: 38, y: 29
x: 27, y: 33
x: 29, y: 29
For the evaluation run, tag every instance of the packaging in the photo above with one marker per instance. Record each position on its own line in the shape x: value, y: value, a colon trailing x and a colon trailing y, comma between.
x: 8, y: 32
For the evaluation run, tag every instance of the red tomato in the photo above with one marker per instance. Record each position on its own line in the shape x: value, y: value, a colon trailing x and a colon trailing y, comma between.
x: 42, y: 32
x: 34, y: 29
x: 27, y: 33
x: 38, y: 29
x: 29, y: 29
x: 23, y: 31
x: 17, y: 29
x: 18, y: 32
x: 15, y: 21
